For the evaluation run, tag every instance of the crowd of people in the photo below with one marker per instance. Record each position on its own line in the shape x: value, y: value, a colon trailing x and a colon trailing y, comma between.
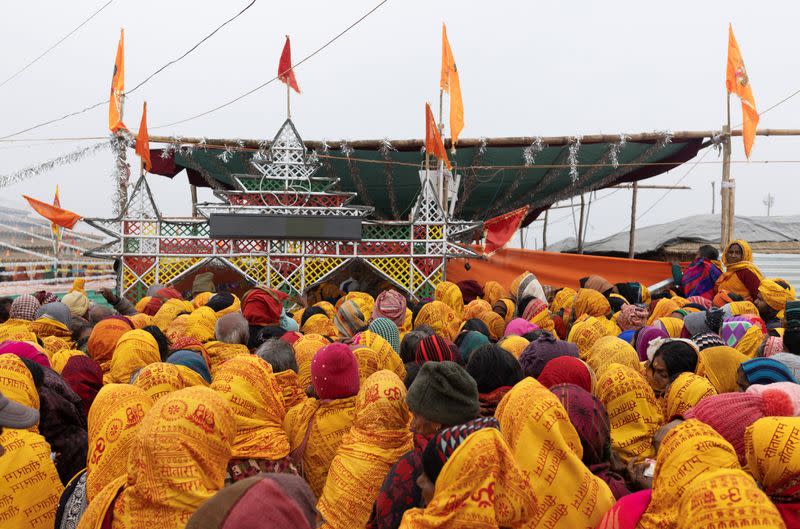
x: 488, y: 405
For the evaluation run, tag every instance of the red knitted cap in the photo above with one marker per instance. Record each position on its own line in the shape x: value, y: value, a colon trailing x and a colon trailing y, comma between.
x: 334, y: 372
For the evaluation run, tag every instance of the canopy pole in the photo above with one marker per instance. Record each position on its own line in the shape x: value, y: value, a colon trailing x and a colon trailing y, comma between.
x: 726, y: 187
x: 580, y: 225
x: 632, y: 235
x: 123, y: 169
x: 194, y: 200
x: 544, y: 231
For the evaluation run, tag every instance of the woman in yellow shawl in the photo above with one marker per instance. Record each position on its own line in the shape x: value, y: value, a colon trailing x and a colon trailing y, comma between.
x: 114, y: 419
x: 256, y: 399
x: 672, y: 326
x: 440, y: 317
x: 177, y: 461
x: 378, y: 438
x: 514, y: 345
x: 741, y: 276
x: 612, y: 350
x: 727, y: 498
x: 319, y: 324
x: 480, y: 485
x: 633, y: 410
x: 134, y: 350
x: 506, y: 308
x: 686, y: 391
x: 720, y: 365
x: 688, y: 452
x: 585, y: 332
x: 545, y: 444
x: 161, y: 378
x: 493, y: 291
x: 591, y: 302
x: 31, y: 488
x: 364, y: 301
x: 774, y: 461
x: 475, y: 308
x: 449, y: 294
x: 16, y: 383
x: 304, y: 350
x: 170, y: 310
x: 664, y: 307
x: 495, y: 323
x: 387, y: 357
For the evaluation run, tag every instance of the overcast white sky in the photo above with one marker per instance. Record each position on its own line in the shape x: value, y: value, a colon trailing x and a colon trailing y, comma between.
x: 527, y: 68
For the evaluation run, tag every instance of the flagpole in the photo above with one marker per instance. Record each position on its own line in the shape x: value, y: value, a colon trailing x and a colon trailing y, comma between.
x: 288, y: 102
x: 726, y: 190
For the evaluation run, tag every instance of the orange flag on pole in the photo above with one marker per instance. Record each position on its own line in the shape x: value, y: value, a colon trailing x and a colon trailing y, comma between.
x: 737, y: 82
x: 53, y: 226
x: 285, y: 71
x: 117, y: 87
x: 500, y: 229
x: 433, y: 140
x: 451, y: 84
x: 56, y: 215
x: 143, y: 141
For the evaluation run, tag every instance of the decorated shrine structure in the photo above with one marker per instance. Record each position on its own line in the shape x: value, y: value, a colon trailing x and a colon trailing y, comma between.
x: 412, y: 254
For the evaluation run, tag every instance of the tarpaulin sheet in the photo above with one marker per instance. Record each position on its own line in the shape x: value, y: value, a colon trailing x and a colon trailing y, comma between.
x: 556, y: 269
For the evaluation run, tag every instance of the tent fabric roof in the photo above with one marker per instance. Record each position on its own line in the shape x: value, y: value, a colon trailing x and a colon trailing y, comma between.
x: 702, y: 229
x: 494, y: 179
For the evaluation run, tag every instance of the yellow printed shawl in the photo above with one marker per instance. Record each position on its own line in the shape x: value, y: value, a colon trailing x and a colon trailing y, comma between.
x: 480, y: 486
x: 493, y: 291
x: 256, y: 399
x: 771, y: 446
x: 387, y: 357
x: 449, y: 294
x: 633, y: 410
x: 59, y: 360
x: 685, y: 392
x: 689, y: 451
x: 221, y: 352
x: 134, y: 350
x: 331, y: 420
x: 612, y: 350
x: 378, y: 438
x: 31, y: 488
x: 16, y: 382
x: 440, y: 317
x: 304, y: 350
x: 114, y: 418
x: 587, y: 330
x: 178, y: 461
x: 160, y: 379
x: 319, y: 324
x: 475, y: 308
x: 293, y: 392
x: 169, y: 311
x: 719, y: 365
x: 727, y: 498
x: 545, y: 444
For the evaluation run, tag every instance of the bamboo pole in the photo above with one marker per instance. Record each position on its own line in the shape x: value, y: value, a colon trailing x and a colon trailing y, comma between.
x: 726, y: 227
x: 544, y: 231
x: 632, y: 235
x: 194, y: 200
x: 503, y: 141
x: 580, y: 225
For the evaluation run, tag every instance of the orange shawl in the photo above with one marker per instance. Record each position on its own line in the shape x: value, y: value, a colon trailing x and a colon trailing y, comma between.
x: 103, y: 341
x: 545, y: 444
x: 378, y: 438
x: 114, y: 419
x: 729, y: 280
x: 177, y: 461
x: 256, y: 399
x: 331, y: 420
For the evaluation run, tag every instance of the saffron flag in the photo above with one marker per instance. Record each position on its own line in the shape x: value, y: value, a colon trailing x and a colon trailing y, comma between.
x: 53, y: 226
x: 285, y: 71
x: 451, y: 84
x: 737, y: 82
x: 500, y: 229
x: 56, y: 215
x: 433, y: 140
x: 143, y: 141
x: 117, y: 87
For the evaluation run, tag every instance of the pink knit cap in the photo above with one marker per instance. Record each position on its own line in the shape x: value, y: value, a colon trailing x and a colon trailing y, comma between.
x: 788, y: 390
x: 334, y: 372
x: 731, y: 413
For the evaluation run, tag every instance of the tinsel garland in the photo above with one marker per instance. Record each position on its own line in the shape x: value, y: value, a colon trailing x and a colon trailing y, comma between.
x: 385, y: 150
x: 49, y: 165
x: 120, y: 142
x: 572, y: 158
x: 616, y: 148
x: 529, y: 153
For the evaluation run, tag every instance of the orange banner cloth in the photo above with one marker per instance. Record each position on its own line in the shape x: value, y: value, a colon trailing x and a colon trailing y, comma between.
x: 737, y: 82
x: 61, y: 217
x: 433, y: 140
x: 285, y: 71
x: 143, y: 141
x: 53, y: 226
x: 556, y: 269
x: 501, y: 229
x: 451, y: 84
x: 117, y: 87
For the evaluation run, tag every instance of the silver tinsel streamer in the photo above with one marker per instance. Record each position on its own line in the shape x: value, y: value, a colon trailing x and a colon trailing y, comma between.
x: 572, y: 158
x: 313, y: 158
x: 325, y: 146
x: 49, y: 165
x: 226, y: 155
x: 203, y: 143
x: 616, y: 148
x: 346, y: 149
x: 169, y: 150
x: 121, y: 175
x: 529, y: 153
x: 666, y: 137
x: 482, y: 145
x: 385, y: 147
x: 261, y: 154
x: 716, y: 140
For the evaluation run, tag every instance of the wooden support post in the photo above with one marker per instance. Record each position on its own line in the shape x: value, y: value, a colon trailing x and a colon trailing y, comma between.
x: 194, y: 201
x: 521, y: 238
x: 726, y: 187
x: 544, y: 231
x: 632, y: 235
x: 580, y: 225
